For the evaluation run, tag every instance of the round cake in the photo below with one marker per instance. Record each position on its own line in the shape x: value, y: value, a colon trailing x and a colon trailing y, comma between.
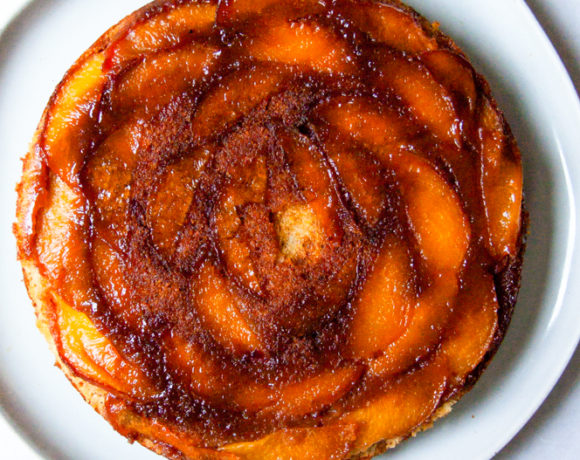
x: 259, y: 229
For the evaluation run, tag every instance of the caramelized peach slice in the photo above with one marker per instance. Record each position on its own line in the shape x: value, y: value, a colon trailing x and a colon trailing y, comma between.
x: 330, y: 442
x: 219, y: 310
x: 70, y: 116
x: 208, y: 379
x: 362, y: 179
x: 160, y: 77
x: 231, y: 11
x: 435, y: 213
x: 61, y: 244
x: 473, y: 325
x: 165, y: 30
x: 232, y: 99
x: 389, y: 25
x: 455, y: 74
x: 427, y: 100
x: 502, y: 182
x: 134, y: 426
x: 403, y: 406
x: 301, y: 43
x: 109, y: 174
x: 425, y: 329
x: 314, y: 393
x: 91, y: 355
x: 168, y: 204
x: 313, y: 179
x: 382, y: 308
x: 367, y: 122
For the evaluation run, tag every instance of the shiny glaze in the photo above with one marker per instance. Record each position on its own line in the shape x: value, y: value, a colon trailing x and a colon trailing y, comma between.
x: 271, y: 220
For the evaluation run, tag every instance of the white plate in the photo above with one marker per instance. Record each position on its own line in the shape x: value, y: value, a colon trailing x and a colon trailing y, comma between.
x: 505, y: 43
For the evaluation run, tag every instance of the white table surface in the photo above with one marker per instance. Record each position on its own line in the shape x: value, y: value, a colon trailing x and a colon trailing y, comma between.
x: 553, y: 432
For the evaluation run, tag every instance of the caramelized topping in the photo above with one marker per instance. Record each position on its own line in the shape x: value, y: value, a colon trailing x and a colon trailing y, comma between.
x: 275, y: 220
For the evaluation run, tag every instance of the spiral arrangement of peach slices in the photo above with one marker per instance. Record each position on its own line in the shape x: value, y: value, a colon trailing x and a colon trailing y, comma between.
x: 273, y: 224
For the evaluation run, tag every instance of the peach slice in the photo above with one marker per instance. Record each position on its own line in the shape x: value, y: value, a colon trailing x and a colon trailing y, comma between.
x: 109, y: 175
x: 134, y: 426
x: 382, y: 308
x: 159, y: 77
x: 403, y: 406
x: 61, y: 244
x: 427, y: 100
x: 313, y: 179
x: 389, y: 25
x: 455, y: 74
x: 303, y: 44
x: 69, y: 118
x: 219, y: 311
x: 425, y: 329
x: 367, y: 122
x: 91, y: 355
x: 165, y: 30
x: 231, y: 99
x: 435, y: 213
x: 473, y: 324
x: 208, y: 379
x: 231, y: 11
x: 501, y: 182
x: 314, y: 393
x: 362, y: 179
x: 168, y: 204
x: 330, y: 442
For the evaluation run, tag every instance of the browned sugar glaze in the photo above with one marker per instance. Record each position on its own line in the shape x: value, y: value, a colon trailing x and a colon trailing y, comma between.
x: 264, y: 216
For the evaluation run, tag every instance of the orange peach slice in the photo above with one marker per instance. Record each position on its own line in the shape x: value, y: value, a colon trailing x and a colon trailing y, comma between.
x: 387, y: 24
x: 160, y: 77
x: 165, y: 30
x: 219, y: 311
x: 70, y: 116
x: 382, y: 308
x: 303, y: 44
x: 473, y: 325
x: 109, y: 174
x: 208, y: 379
x: 403, y: 406
x: 435, y: 213
x: 368, y: 123
x: 362, y: 179
x: 315, y: 393
x: 455, y: 74
x: 312, y: 176
x: 231, y: 99
x: 425, y: 329
x: 502, y: 182
x: 168, y: 204
x: 61, y: 244
x: 330, y: 442
x: 230, y: 11
x: 91, y: 355
x: 134, y: 426
x: 427, y: 100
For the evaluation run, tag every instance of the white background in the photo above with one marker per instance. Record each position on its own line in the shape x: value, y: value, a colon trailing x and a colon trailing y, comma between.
x: 553, y: 431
